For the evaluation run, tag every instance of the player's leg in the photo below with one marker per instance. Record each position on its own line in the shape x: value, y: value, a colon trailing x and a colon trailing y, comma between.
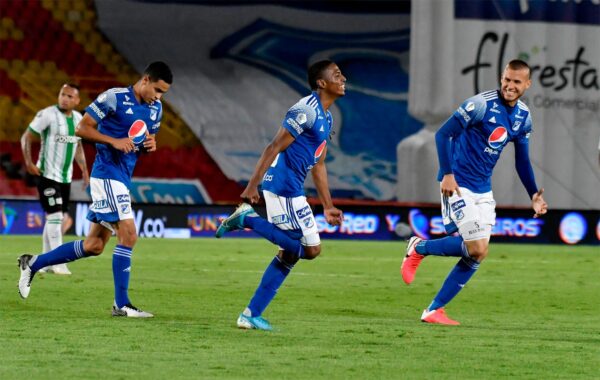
x: 93, y: 245
x: 417, y: 249
x: 475, y: 229
x: 49, y: 192
x: 120, y: 215
x: 64, y: 196
x: 285, y: 214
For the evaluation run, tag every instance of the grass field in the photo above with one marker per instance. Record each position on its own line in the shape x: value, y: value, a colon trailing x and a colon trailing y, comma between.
x: 530, y: 312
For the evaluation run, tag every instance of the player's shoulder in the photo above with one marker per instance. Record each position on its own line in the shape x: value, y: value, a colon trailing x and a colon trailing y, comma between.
x: 305, y: 109
x: 522, y: 106
x: 77, y: 114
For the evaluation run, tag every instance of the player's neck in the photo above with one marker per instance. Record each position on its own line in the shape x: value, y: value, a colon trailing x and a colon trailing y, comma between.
x: 67, y: 113
x: 326, y: 100
x: 136, y: 92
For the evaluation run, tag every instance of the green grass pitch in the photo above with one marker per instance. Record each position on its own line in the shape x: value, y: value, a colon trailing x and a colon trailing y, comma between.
x: 530, y: 312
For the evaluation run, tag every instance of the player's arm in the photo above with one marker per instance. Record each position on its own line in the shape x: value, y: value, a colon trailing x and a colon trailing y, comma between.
x: 26, y: 139
x: 80, y: 160
x: 280, y: 142
x: 87, y: 129
x: 525, y: 171
x: 333, y: 215
x: 443, y: 141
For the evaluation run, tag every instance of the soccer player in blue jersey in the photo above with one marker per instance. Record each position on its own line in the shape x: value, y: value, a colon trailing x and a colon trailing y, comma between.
x: 469, y: 145
x: 299, y: 146
x: 116, y: 122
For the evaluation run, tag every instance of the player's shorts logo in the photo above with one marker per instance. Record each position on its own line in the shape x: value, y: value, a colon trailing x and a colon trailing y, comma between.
x: 320, y: 150
x: 137, y: 131
x: 498, y: 137
x: 303, y: 212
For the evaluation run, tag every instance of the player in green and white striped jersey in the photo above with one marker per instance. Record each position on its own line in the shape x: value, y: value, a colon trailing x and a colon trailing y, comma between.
x: 55, y: 127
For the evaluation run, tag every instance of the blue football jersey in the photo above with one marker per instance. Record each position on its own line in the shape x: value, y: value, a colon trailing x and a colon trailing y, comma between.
x: 488, y: 125
x: 116, y: 111
x: 310, y: 126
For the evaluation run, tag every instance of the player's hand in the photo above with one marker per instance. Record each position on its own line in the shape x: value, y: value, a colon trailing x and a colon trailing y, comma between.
x: 334, y: 216
x: 449, y: 185
x: 539, y: 204
x: 33, y: 170
x: 250, y: 194
x: 125, y: 145
x: 150, y: 143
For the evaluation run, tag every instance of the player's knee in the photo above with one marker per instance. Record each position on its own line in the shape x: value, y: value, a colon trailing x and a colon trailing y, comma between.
x: 128, y: 239
x: 94, y: 246
x: 311, y: 252
x: 288, y: 258
x: 478, y: 251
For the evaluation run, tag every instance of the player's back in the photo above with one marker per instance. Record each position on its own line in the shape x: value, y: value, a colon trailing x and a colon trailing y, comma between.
x: 310, y: 126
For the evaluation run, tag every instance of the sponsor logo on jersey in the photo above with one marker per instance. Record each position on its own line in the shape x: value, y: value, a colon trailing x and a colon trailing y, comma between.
x: 490, y: 150
x: 268, y: 178
x: 492, y: 120
x: 137, y: 131
x: 97, y: 110
x: 129, y: 111
x: 516, y: 125
x: 458, y: 205
x: 123, y: 198
x: 294, y: 125
x: 494, y: 108
x: 128, y: 104
x: 304, y: 212
x: 322, y: 129
x: 62, y: 139
x: 464, y: 115
x: 127, y: 98
x: 319, y: 151
x: 498, y: 137
x: 280, y: 219
x: 153, y: 114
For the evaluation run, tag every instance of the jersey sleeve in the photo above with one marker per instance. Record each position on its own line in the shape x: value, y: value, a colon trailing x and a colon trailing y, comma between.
x: 523, y: 137
x: 299, y: 118
x: 40, y: 122
x: 471, y: 111
x: 104, y: 105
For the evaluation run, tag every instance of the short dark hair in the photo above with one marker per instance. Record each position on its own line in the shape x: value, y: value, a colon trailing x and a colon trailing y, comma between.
x: 159, y: 70
x: 315, y: 72
x: 518, y: 64
x: 72, y: 85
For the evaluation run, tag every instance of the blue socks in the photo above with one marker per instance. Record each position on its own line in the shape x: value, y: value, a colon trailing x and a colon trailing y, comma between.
x: 456, y: 280
x: 62, y: 254
x: 448, y: 246
x: 273, y: 234
x: 274, y: 276
x: 121, y: 265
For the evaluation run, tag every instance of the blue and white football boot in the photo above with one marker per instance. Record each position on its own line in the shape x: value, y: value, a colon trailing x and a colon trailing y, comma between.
x: 235, y: 221
x: 257, y: 323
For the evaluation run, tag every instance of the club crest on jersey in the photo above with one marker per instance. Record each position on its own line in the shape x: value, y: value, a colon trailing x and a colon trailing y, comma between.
x: 137, y: 131
x: 498, y: 137
x: 153, y: 114
x: 320, y: 150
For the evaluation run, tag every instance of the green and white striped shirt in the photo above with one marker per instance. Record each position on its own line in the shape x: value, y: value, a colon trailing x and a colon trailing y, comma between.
x: 57, y: 132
